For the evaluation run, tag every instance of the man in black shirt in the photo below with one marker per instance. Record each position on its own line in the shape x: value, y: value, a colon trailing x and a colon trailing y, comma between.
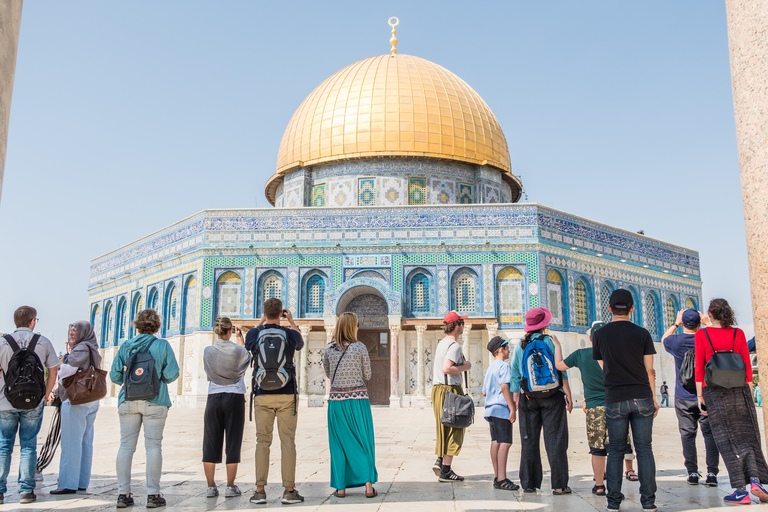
x: 277, y: 404
x: 625, y: 352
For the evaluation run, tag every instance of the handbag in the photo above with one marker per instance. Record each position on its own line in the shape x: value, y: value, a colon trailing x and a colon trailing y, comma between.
x: 725, y: 369
x: 87, y: 385
x: 458, y: 410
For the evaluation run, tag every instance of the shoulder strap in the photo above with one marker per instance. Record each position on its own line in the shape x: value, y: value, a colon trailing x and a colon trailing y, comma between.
x: 343, y: 353
x: 33, y: 342
x: 12, y: 343
x: 709, y: 339
x: 733, y: 345
x: 445, y: 375
x: 150, y: 344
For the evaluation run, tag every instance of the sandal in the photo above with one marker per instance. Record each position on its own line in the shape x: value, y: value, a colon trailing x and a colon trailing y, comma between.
x: 631, y: 475
x: 560, y: 492
x: 599, y: 490
x: 373, y: 494
x: 505, y: 485
x: 336, y: 493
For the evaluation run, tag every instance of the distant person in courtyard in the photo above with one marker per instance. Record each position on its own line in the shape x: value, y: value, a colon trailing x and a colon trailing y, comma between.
x: 689, y: 416
x: 143, y: 366
x: 225, y: 364
x: 77, y: 420
x: 664, y: 390
x: 13, y: 418
x: 350, y: 424
x: 500, y: 411
x: 758, y: 396
x: 625, y: 352
x: 274, y: 385
x: 543, y: 396
x: 446, y: 376
x: 594, y: 409
x: 731, y: 410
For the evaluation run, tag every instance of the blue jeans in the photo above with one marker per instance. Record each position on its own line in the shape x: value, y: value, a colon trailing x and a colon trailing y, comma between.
x: 76, y: 444
x: 27, y: 422
x: 665, y: 399
x: 618, y: 418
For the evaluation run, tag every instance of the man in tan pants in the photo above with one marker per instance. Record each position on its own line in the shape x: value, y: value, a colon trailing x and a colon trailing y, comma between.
x: 275, y: 396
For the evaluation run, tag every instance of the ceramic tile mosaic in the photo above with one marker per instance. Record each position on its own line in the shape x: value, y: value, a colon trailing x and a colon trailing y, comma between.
x: 366, y: 192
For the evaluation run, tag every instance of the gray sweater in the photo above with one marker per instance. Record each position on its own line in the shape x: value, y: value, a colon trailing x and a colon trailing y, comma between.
x: 225, y: 362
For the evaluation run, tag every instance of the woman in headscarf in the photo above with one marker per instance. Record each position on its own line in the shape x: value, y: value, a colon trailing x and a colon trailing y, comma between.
x: 77, y: 420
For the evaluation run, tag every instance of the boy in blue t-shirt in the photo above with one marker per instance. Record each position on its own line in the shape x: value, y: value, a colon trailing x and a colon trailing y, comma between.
x: 500, y: 411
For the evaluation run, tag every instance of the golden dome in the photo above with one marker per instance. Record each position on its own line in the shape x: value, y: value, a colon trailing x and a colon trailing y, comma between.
x: 392, y: 105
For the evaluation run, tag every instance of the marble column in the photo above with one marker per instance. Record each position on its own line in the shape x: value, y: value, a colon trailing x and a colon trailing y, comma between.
x: 421, y: 399
x: 748, y: 44
x: 492, y: 330
x: 465, y: 350
x: 303, y: 365
x: 394, y: 365
x: 10, y: 21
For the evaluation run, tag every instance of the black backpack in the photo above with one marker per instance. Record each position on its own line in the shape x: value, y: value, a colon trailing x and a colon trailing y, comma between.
x: 140, y: 378
x: 687, y: 374
x: 272, y: 371
x: 25, y: 375
x: 726, y: 368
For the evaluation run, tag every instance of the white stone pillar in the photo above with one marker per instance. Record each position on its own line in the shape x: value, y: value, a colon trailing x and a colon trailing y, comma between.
x: 492, y: 330
x: 421, y: 399
x: 303, y: 366
x: 394, y: 365
x: 10, y: 21
x: 465, y: 350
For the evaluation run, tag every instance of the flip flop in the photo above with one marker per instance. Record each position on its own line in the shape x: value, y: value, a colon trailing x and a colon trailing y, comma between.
x: 336, y: 493
x: 631, y: 475
x: 373, y: 494
x: 567, y: 490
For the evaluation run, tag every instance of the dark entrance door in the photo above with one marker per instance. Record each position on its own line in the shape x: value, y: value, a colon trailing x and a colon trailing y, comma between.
x: 377, y: 343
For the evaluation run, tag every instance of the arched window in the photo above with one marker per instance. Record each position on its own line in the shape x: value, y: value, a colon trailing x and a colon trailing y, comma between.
x: 272, y: 288
x: 581, y: 304
x: 190, y: 305
x: 171, y: 308
x: 136, y: 306
x: 509, y: 285
x: 636, y: 317
x: 419, y: 302
x: 555, y: 297
x: 690, y: 304
x: 152, y: 299
x: 96, y: 319
x: 670, y: 310
x: 464, y: 293
x: 605, y: 302
x: 107, y: 334
x: 122, y: 320
x: 228, y: 290
x: 651, y: 316
x: 314, y: 296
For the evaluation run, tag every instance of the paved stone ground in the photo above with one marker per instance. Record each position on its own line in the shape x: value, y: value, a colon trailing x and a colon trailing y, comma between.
x: 404, y: 450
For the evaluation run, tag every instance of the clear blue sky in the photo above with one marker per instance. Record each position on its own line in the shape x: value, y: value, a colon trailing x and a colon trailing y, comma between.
x: 129, y: 116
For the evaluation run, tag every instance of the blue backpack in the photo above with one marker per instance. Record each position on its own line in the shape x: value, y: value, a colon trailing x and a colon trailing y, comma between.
x: 540, y: 376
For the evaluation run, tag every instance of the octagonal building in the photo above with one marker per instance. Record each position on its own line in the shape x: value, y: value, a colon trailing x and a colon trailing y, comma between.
x: 394, y: 198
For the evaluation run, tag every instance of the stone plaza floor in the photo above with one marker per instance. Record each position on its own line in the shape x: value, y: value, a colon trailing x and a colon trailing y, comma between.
x: 404, y: 451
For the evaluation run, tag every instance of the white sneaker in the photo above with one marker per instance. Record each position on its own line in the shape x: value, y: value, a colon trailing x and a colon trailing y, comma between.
x: 38, y: 476
x: 232, y: 492
x: 212, y: 492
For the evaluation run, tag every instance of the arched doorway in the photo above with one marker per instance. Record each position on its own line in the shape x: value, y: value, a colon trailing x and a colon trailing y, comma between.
x: 371, y: 310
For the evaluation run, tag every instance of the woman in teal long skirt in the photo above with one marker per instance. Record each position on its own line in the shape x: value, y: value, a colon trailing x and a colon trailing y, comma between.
x: 350, y: 424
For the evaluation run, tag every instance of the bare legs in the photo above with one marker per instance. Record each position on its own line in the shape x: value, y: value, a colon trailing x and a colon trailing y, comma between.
x: 210, y: 470
x: 499, y: 454
x: 598, y: 469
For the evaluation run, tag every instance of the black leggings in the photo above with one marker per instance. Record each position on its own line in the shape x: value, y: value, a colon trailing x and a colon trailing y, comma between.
x: 224, y: 413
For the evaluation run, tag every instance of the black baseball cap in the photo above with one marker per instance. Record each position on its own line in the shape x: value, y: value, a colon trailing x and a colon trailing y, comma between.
x: 496, y: 343
x: 621, y: 300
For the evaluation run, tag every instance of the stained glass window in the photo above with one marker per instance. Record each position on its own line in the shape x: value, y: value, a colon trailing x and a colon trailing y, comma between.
x: 318, y: 195
x: 109, y: 323
x: 122, y: 320
x: 605, y: 302
x: 417, y: 191
x: 366, y: 192
x: 136, y: 306
x: 636, y: 302
x: 228, y: 288
x: 315, y: 295
x: 510, y: 295
x: 690, y: 304
x: 271, y: 288
x: 420, y: 294
x: 465, y: 293
x: 152, y: 299
x: 465, y: 194
x: 190, y: 305
x: 555, y: 296
x: 671, y: 310
x: 171, y: 305
x: 96, y: 319
x: 651, y: 322
x: 580, y: 297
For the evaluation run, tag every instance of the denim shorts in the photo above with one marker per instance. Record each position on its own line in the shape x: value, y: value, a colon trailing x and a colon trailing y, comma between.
x: 501, y: 430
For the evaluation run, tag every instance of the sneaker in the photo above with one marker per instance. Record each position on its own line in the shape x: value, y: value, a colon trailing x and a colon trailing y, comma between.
x: 759, y: 492
x: 291, y: 497
x: 738, y: 498
x: 693, y: 479
x: 124, y: 501
x: 711, y: 480
x: 437, y: 467
x: 28, y: 497
x: 212, y: 492
x: 652, y: 508
x: 259, y: 498
x: 38, y: 476
x: 155, y: 500
x: 450, y: 476
x: 232, y: 492
x: 611, y: 508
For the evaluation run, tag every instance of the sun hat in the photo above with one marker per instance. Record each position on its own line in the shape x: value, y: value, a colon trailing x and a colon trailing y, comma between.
x: 537, y: 318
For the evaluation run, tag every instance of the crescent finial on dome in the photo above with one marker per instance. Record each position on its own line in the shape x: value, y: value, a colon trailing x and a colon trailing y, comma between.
x: 393, y: 39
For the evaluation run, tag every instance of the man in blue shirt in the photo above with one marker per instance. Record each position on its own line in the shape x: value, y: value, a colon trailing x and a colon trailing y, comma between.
x: 689, y: 416
x: 500, y: 411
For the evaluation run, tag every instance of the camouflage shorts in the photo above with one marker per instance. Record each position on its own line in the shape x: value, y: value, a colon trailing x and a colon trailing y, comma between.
x: 597, y: 432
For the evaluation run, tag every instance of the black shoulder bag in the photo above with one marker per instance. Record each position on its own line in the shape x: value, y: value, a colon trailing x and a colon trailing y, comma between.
x: 458, y: 410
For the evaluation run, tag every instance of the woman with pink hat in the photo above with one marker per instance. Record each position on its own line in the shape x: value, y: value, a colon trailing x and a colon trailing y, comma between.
x: 542, y: 396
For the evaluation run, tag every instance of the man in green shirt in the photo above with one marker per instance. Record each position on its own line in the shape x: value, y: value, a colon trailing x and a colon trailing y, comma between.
x: 594, y: 406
